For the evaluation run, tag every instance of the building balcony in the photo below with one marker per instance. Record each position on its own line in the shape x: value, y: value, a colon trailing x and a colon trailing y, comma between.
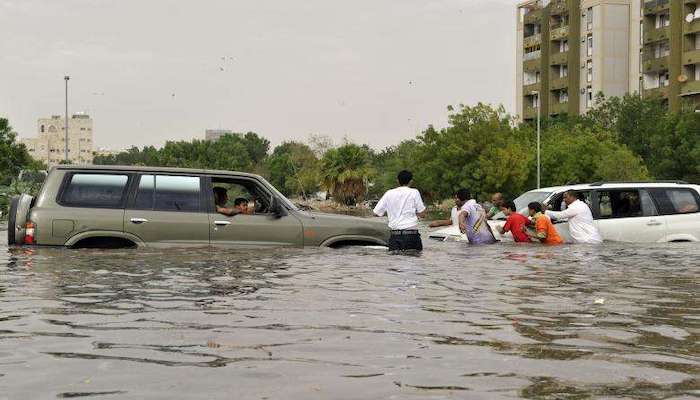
x: 691, y: 57
x: 655, y: 64
x: 559, y: 83
x: 559, y: 33
x: 656, y: 35
x: 531, y: 65
x: 528, y: 89
x: 532, y: 17
x: 529, y: 112
x: 691, y: 27
x: 559, y: 58
x: 558, y: 7
x: 656, y: 92
x: 690, y: 88
x: 533, y: 40
x: 655, y: 6
x: 558, y: 108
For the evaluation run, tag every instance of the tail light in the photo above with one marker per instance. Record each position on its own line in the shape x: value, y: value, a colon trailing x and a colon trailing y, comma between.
x: 29, y: 233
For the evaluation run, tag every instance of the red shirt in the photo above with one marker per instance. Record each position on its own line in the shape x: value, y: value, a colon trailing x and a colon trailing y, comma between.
x: 514, y: 224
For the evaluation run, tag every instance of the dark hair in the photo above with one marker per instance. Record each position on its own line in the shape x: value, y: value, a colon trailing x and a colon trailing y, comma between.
x: 509, y: 205
x: 537, y: 207
x: 405, y: 177
x: 240, y: 201
x: 463, y: 194
x: 577, y: 195
x: 219, y: 191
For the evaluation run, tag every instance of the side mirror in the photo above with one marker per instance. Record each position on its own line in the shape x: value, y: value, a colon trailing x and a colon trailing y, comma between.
x: 276, y: 208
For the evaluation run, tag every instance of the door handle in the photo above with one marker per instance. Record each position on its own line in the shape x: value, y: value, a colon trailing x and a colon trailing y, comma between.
x: 222, y: 223
x: 138, y: 220
x: 654, y: 223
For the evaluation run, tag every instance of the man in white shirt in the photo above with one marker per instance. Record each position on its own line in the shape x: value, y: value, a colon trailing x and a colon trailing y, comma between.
x: 404, y: 205
x: 581, y: 226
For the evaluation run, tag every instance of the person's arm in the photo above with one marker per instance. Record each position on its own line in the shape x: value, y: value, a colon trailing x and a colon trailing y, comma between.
x: 380, y: 208
x: 227, y: 211
x: 566, y: 214
x: 441, y: 222
x: 506, y: 227
x: 462, y: 218
x: 421, y: 210
x: 537, y: 234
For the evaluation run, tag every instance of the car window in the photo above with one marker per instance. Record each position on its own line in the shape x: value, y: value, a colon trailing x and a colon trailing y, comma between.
x: 676, y: 201
x: 168, y: 193
x: 95, y: 190
x: 257, y: 198
x: 626, y: 203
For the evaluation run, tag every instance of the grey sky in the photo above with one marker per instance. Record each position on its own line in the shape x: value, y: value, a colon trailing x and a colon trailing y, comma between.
x: 148, y: 71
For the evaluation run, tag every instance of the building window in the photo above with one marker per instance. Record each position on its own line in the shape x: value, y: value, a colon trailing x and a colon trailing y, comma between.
x: 564, y: 96
x: 662, y: 49
x: 664, y: 79
x: 563, y: 71
x: 662, y: 20
x: 697, y: 72
x: 42, y: 128
x: 589, y: 97
x: 589, y: 45
x: 563, y: 46
x: 589, y: 18
x: 589, y: 71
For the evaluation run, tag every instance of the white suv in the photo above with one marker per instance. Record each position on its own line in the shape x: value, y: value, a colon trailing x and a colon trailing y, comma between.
x: 627, y: 211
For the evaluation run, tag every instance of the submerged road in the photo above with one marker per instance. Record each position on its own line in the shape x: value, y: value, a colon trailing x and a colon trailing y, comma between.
x: 498, y: 322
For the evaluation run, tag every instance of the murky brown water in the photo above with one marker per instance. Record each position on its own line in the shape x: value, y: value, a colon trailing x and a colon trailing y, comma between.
x: 505, y: 321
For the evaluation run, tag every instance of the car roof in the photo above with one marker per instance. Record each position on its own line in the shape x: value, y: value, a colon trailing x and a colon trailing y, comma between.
x: 615, y: 185
x: 133, y: 168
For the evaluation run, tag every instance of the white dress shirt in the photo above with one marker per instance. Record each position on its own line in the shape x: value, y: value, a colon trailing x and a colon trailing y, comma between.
x: 581, y: 226
x: 402, y: 204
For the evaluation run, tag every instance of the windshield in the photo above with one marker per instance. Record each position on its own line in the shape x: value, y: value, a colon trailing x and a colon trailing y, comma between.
x: 530, y: 197
x: 289, y: 205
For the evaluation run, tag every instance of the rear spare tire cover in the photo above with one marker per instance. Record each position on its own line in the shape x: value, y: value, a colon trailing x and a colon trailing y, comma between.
x: 12, y: 222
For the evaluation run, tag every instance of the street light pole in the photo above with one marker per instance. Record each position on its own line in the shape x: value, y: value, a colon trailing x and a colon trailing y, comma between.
x: 536, y: 93
x: 66, y: 78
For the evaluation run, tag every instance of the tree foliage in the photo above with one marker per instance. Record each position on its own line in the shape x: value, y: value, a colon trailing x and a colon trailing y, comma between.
x: 346, y: 172
x: 294, y: 169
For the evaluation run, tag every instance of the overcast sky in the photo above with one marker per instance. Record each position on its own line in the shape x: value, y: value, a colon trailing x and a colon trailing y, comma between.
x: 147, y: 71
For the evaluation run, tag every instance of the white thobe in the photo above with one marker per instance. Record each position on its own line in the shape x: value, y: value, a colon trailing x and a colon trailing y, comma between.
x: 581, y: 225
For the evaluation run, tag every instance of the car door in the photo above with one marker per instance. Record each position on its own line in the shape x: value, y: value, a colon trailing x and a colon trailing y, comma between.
x: 261, y: 228
x: 166, y: 210
x: 680, y: 208
x: 628, y: 215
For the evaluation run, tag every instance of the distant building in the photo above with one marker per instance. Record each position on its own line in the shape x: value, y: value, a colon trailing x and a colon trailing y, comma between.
x: 106, y: 152
x: 49, y: 145
x: 216, y: 134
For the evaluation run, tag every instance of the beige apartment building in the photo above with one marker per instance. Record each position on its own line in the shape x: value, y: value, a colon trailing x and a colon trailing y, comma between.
x: 49, y: 144
x: 570, y: 50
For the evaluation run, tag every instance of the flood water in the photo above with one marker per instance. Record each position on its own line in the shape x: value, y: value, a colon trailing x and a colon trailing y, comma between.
x: 504, y: 321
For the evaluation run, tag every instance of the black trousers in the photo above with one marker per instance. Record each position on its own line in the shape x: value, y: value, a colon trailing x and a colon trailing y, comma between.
x: 405, y: 241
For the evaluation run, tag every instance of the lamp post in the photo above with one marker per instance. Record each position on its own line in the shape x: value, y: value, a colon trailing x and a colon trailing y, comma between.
x: 536, y: 93
x: 66, y: 78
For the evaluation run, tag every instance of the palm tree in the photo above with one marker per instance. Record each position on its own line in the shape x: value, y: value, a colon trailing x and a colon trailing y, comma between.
x: 345, y: 173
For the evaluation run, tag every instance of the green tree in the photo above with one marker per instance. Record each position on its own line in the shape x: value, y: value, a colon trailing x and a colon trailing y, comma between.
x: 294, y: 169
x: 346, y: 172
x: 13, y: 156
x: 389, y: 162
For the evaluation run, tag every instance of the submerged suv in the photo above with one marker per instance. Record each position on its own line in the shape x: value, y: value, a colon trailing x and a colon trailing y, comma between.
x: 111, y: 206
x: 643, y: 212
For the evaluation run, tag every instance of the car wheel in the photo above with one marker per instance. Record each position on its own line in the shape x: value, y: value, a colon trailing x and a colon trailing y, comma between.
x: 12, y: 222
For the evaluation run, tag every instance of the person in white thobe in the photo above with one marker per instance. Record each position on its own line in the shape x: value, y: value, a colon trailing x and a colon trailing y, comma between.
x: 581, y: 225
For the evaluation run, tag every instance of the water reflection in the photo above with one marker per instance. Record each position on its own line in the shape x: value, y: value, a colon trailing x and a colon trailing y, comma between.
x: 488, y: 322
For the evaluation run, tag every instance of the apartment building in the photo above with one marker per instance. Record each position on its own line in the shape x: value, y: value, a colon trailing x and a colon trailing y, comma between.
x: 49, y: 144
x: 570, y: 50
x: 216, y: 134
x: 671, y: 51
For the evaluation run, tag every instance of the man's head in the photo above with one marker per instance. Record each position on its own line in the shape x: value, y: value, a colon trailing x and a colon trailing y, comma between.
x: 507, y: 207
x: 497, y: 199
x: 534, y: 208
x: 220, y: 196
x: 405, y: 177
x: 461, y: 197
x: 570, y: 196
x: 241, y: 204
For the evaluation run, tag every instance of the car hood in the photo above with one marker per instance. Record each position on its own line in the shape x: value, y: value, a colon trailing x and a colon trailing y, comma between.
x: 344, y: 220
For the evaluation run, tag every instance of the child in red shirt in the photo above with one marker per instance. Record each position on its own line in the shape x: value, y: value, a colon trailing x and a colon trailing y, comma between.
x: 514, y: 223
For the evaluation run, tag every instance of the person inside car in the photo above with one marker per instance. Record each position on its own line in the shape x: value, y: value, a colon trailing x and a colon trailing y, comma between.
x: 220, y: 200
x: 241, y: 204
